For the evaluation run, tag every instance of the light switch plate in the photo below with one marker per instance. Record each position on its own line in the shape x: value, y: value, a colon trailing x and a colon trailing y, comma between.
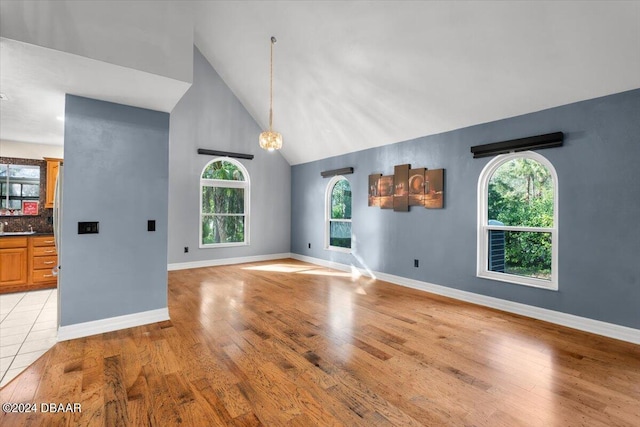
x: 91, y: 227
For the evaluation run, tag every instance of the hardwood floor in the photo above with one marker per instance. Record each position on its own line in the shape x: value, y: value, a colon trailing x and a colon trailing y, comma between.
x: 288, y: 343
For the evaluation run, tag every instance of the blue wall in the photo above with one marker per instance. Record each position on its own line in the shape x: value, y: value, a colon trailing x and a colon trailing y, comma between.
x: 210, y: 116
x: 115, y: 172
x: 599, y: 209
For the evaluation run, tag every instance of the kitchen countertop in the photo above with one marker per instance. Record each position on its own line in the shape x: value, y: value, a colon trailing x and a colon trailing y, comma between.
x: 24, y: 235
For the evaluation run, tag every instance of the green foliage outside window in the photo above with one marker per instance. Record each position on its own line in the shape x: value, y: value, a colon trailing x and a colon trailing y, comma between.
x: 521, y: 194
x: 223, y: 219
x: 341, y: 200
x: 223, y: 170
x: 340, y: 231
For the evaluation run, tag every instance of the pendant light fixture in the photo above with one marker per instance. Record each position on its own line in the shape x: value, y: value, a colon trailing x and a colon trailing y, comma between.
x: 269, y: 139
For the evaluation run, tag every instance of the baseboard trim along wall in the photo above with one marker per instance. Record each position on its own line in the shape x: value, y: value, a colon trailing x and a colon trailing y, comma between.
x: 598, y: 327
x: 80, y: 330
x: 225, y: 261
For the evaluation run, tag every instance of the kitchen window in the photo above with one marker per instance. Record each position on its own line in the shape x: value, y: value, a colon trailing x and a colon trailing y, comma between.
x: 518, y: 221
x: 338, y: 215
x: 224, y: 204
x: 18, y: 183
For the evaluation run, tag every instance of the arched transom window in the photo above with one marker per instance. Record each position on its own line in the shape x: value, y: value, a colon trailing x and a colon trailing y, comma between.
x: 518, y: 220
x: 224, y: 204
x: 338, y: 214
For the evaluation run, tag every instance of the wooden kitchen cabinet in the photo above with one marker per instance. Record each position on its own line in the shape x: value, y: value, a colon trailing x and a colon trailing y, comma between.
x: 44, y: 258
x: 53, y: 167
x: 26, y: 263
x: 13, y: 262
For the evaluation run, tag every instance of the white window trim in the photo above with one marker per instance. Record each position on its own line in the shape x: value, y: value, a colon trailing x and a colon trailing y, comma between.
x: 327, y: 216
x: 246, y: 184
x: 482, y: 269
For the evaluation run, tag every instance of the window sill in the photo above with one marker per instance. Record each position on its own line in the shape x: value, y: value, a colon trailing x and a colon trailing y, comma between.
x: 519, y: 280
x: 338, y: 249
x: 222, y: 245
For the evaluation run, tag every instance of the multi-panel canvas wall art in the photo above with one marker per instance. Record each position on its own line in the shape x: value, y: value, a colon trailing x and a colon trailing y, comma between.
x: 433, y: 189
x: 374, y: 182
x: 401, y: 188
x: 385, y: 191
x: 407, y: 187
x: 416, y: 186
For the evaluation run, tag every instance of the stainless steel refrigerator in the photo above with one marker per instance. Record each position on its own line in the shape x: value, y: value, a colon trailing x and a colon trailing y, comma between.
x: 57, y: 229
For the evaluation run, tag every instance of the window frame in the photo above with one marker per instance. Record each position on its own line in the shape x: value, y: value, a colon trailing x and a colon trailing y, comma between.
x: 7, y: 181
x: 483, y: 227
x: 223, y: 183
x: 327, y: 216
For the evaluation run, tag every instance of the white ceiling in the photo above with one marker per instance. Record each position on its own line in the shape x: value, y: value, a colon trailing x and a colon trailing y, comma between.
x: 35, y: 80
x: 350, y: 75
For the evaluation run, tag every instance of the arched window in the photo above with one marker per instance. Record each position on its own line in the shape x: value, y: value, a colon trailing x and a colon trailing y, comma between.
x: 338, y: 215
x: 518, y: 220
x: 224, y: 204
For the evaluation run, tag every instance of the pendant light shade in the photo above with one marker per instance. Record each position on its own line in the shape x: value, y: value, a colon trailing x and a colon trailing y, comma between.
x: 271, y: 140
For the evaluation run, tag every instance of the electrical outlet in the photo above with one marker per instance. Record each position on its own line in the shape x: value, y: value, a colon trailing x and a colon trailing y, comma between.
x: 416, y: 263
x: 309, y: 245
x: 186, y: 249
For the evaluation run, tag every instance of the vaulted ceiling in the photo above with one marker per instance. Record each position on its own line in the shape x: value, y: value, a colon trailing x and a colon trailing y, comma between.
x: 350, y: 75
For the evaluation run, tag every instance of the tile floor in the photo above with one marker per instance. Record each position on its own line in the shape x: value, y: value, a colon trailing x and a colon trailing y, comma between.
x: 28, y: 325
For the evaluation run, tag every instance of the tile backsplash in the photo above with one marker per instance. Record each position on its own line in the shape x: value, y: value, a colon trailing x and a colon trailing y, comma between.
x: 41, y: 223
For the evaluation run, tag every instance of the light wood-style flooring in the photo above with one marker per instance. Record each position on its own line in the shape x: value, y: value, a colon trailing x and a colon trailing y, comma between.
x: 287, y: 343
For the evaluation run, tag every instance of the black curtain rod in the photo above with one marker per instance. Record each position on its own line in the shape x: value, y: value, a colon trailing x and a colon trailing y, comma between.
x: 207, y: 152
x: 548, y: 140
x: 334, y: 172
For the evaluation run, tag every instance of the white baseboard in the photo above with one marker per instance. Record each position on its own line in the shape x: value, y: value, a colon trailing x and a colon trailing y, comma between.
x: 80, y: 330
x: 610, y: 330
x: 332, y: 264
x: 225, y: 261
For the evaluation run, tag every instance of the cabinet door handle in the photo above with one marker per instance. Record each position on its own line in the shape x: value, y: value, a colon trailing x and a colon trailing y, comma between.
x: 49, y: 262
x: 49, y: 251
x: 47, y: 275
x: 49, y: 241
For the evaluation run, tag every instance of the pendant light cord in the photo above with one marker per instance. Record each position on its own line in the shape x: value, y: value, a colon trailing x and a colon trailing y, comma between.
x: 273, y: 41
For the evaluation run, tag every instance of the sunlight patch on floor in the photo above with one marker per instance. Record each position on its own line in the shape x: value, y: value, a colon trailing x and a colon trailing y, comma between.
x: 323, y: 272
x: 279, y: 268
x: 354, y: 272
